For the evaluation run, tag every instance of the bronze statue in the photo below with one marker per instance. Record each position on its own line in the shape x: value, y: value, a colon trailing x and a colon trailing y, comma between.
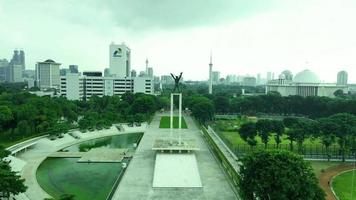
x: 176, y: 81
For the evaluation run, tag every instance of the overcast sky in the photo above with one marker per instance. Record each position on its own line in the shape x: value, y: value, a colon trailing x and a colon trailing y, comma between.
x: 245, y: 36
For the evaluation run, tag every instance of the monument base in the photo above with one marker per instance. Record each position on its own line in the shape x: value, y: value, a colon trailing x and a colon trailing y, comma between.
x: 176, y: 171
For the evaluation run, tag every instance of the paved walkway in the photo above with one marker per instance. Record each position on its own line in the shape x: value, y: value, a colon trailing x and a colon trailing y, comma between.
x: 136, y: 183
x: 27, y: 162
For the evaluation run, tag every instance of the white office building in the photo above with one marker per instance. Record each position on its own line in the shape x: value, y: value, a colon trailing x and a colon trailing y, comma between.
x: 120, y: 60
x: 47, y: 74
x: 305, y: 83
x: 82, y: 87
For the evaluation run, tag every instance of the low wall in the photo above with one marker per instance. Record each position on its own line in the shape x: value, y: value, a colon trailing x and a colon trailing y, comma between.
x: 230, y: 170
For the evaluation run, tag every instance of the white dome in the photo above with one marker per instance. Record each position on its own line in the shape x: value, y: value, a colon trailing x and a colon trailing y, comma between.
x: 306, y: 76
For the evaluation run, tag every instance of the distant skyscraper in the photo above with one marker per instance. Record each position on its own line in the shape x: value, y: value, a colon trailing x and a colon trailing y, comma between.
x: 150, y: 72
x: 4, y: 64
x: 211, y: 75
x: 342, y: 78
x: 14, y: 73
x: 269, y: 76
x: 73, y: 69
x: 146, y: 65
x: 120, y: 60
x: 106, y: 72
x: 22, y: 60
x: 258, y: 80
x: 133, y: 73
x: 47, y: 74
x: 166, y: 79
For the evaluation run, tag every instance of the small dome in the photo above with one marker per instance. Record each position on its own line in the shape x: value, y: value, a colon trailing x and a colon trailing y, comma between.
x: 49, y: 61
x: 282, y: 76
x: 306, y: 76
x: 287, y: 75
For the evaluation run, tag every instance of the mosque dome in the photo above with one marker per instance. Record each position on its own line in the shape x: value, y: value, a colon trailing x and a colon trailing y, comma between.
x: 49, y: 61
x: 306, y: 76
x: 287, y: 75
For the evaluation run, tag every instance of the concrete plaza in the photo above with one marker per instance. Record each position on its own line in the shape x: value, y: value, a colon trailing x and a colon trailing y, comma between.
x: 136, y: 183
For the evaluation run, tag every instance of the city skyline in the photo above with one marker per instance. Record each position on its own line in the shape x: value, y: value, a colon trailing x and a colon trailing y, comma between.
x: 245, y: 37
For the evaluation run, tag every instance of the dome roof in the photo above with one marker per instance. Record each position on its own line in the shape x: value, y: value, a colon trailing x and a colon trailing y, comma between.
x: 287, y: 75
x: 306, y: 76
x: 49, y: 61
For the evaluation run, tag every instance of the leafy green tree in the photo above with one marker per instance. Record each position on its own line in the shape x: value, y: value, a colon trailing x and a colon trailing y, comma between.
x: 328, y: 129
x: 277, y: 174
x: 5, y: 115
x: 222, y: 103
x: 248, y: 133
x: 264, y: 129
x: 278, y: 129
x: 10, y: 182
x: 203, y: 111
x: 344, y: 128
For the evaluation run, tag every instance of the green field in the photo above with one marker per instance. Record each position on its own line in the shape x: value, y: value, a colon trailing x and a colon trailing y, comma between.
x: 165, y: 122
x: 228, y: 131
x: 344, y: 186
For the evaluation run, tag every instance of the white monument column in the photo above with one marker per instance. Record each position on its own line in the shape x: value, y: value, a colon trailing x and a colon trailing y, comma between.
x: 171, y: 118
x: 180, y: 117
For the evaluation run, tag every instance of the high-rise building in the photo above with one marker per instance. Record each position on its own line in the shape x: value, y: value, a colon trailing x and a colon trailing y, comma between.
x: 215, y: 76
x: 18, y: 58
x: 166, y: 79
x: 82, y: 87
x: 73, y: 69
x: 150, y: 72
x: 133, y: 73
x: 342, y: 78
x: 47, y: 74
x: 13, y: 73
x: 120, y: 60
x: 4, y: 64
x: 269, y: 76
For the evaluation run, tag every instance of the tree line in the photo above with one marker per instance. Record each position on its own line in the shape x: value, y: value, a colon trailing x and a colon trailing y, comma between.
x: 338, y: 128
x: 23, y: 115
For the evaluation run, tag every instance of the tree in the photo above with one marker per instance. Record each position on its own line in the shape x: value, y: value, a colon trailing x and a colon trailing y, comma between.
x: 277, y: 174
x: 5, y: 115
x: 222, y: 103
x: 339, y: 93
x: 264, y: 128
x: 328, y: 130
x: 344, y: 127
x: 10, y: 183
x: 278, y: 129
x: 248, y: 133
x: 203, y: 111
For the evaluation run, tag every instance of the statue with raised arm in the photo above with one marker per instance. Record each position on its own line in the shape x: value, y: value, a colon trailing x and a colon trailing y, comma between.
x: 176, y: 81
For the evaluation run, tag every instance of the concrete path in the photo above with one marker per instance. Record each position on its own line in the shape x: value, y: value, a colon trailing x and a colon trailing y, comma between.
x: 136, y: 183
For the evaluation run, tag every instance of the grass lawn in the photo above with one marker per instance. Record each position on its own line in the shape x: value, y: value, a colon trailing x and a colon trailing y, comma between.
x: 342, y: 185
x: 235, y: 139
x: 319, y: 166
x: 165, y: 122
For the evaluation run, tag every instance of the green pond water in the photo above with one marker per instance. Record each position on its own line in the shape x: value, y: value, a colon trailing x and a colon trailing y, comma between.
x: 86, y: 181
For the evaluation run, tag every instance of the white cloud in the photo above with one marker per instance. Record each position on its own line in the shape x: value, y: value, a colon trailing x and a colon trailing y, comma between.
x: 318, y: 31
